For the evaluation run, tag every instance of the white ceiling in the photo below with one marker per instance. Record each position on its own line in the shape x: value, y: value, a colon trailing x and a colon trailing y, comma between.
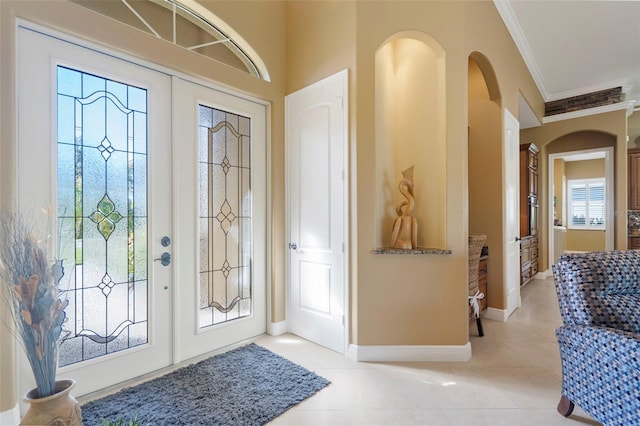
x: 577, y: 47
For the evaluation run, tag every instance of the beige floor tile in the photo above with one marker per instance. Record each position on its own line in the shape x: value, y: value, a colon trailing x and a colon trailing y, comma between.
x: 513, y: 378
x: 435, y: 417
x: 511, y: 417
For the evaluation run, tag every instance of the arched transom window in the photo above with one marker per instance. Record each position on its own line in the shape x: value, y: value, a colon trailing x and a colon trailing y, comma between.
x: 184, y: 23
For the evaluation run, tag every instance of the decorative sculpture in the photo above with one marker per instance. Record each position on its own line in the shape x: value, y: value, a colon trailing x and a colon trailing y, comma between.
x: 405, y: 226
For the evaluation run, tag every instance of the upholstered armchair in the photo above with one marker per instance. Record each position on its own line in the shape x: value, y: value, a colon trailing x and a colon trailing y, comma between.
x: 599, y: 296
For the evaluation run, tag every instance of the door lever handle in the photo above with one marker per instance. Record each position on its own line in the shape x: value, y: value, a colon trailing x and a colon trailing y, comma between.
x: 165, y: 259
x: 293, y: 246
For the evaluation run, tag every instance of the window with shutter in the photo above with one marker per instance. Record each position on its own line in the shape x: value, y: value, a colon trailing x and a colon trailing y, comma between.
x: 586, y: 203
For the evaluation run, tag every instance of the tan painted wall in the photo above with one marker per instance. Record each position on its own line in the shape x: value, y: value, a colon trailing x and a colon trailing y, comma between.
x: 578, y: 239
x: 430, y: 289
x: 396, y: 293
x: 266, y: 35
x: 595, y: 131
x: 391, y: 294
x: 585, y: 169
x: 487, y: 39
x: 486, y: 33
x: 320, y: 42
x: 395, y: 300
x: 485, y: 178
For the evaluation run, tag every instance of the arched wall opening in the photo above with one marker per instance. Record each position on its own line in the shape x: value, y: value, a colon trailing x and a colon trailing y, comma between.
x: 581, y: 155
x: 410, y: 131
x: 485, y: 171
x: 489, y: 80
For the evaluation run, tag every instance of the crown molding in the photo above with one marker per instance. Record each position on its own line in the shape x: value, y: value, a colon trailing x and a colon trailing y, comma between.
x: 513, y: 26
x: 510, y: 20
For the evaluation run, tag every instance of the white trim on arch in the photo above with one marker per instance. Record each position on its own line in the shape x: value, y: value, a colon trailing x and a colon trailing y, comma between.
x: 237, y: 38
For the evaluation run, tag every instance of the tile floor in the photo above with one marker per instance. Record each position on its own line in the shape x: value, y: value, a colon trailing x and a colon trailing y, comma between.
x: 513, y: 378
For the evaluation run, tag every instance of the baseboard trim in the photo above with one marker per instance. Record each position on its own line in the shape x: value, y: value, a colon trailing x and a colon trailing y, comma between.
x: 10, y: 417
x: 496, y: 314
x: 410, y: 353
x: 543, y: 274
x: 277, y: 328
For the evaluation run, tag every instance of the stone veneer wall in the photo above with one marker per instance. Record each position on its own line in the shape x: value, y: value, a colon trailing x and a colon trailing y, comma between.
x: 589, y: 100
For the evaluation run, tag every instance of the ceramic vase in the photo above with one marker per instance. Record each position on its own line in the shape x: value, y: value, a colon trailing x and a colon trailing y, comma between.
x: 59, y: 409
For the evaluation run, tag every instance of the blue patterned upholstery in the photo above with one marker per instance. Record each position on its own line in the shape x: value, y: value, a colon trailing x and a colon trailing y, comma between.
x: 599, y: 297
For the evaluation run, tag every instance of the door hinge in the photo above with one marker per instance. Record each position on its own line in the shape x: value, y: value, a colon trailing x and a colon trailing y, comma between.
x: 342, y: 247
x: 343, y: 320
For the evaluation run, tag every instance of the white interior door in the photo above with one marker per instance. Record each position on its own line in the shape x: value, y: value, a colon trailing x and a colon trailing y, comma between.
x: 511, y: 165
x: 316, y: 123
x: 220, y: 185
x: 93, y: 143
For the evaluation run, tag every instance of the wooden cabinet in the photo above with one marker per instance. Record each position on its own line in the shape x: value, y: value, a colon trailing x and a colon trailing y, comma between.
x: 528, y: 258
x: 482, y: 281
x: 533, y: 265
x: 528, y: 190
x: 633, y: 191
x: 528, y: 212
x: 633, y: 156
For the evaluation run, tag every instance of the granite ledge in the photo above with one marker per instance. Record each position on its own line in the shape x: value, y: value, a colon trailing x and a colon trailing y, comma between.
x: 419, y: 250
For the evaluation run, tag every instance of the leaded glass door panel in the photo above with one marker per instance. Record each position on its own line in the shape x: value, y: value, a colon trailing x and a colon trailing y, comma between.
x: 102, y: 213
x: 225, y: 216
x: 99, y: 163
x: 222, y: 226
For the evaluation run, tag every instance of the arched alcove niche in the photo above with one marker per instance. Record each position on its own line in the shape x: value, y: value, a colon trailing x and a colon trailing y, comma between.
x: 485, y: 167
x: 410, y: 131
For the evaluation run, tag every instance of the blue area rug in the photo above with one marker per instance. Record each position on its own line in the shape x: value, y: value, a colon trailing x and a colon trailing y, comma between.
x: 246, y: 386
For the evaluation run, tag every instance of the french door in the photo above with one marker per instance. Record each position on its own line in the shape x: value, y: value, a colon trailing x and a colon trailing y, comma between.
x: 100, y: 146
x: 221, y: 226
x: 93, y: 148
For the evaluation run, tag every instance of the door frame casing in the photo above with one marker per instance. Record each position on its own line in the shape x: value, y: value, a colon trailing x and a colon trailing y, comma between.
x: 609, y: 194
x: 342, y: 76
x: 507, y: 115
